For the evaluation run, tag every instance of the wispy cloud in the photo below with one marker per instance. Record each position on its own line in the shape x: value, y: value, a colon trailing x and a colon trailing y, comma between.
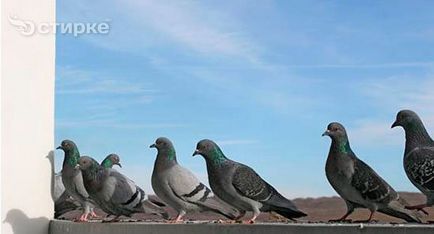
x: 427, y: 64
x: 108, y: 123
x: 391, y: 95
x: 189, y: 25
x: 185, y: 23
x: 77, y: 81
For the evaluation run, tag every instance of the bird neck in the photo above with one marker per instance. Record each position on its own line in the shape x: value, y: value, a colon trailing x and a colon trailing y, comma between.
x: 107, y: 163
x: 165, y: 158
x: 416, y: 135
x: 216, y: 157
x: 341, y: 146
x: 71, y: 158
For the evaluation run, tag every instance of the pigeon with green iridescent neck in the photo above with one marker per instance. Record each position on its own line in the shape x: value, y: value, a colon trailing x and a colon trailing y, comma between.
x: 114, y: 193
x: 179, y: 188
x: 418, y: 155
x: 357, y: 183
x: 241, y: 187
x: 111, y: 160
x: 72, y: 178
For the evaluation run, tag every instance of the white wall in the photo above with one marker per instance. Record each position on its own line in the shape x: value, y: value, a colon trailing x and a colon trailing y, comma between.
x: 27, y: 119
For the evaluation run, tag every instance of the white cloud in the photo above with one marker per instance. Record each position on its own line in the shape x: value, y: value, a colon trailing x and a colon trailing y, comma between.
x: 109, y: 123
x: 391, y: 95
x: 139, y: 26
x: 77, y: 81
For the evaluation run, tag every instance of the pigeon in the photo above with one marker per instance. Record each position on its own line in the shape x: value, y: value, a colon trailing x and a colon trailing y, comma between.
x: 114, y: 193
x: 418, y: 155
x: 240, y: 186
x: 110, y: 160
x: 73, y: 180
x: 179, y: 188
x: 357, y: 183
x: 63, y: 202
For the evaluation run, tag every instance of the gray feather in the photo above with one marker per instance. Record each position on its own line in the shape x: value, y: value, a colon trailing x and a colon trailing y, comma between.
x: 419, y: 153
x: 179, y: 187
x: 357, y: 183
x: 112, y: 191
x: 240, y: 186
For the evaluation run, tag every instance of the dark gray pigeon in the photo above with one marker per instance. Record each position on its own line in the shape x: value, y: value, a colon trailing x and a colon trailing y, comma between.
x: 418, y: 155
x: 241, y: 187
x: 73, y: 180
x: 357, y: 183
x: 114, y: 193
x: 179, y: 188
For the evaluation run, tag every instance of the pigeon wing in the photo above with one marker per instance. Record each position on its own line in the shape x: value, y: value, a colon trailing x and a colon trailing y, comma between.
x: 370, y: 185
x: 420, y: 165
x: 249, y: 184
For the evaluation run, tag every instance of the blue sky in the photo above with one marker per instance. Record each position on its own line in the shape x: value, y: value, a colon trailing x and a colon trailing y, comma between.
x: 262, y: 79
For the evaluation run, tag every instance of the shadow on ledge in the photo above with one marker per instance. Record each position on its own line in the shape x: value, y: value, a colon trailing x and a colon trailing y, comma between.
x: 22, y: 224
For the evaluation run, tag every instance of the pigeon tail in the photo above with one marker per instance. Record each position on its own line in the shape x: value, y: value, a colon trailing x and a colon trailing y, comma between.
x: 289, y: 213
x: 397, y: 208
x: 283, y: 206
x: 408, y: 215
x: 217, y: 208
x: 150, y: 207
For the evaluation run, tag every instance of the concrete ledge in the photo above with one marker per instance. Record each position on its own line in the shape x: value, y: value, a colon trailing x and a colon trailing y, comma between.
x: 61, y: 227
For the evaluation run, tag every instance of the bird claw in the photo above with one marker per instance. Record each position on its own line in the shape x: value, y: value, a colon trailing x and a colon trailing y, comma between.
x: 82, y: 218
x: 340, y: 221
x: 94, y: 215
x: 366, y: 221
x: 250, y: 221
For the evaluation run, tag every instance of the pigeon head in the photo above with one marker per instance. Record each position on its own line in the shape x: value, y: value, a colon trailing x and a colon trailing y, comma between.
x: 162, y: 143
x: 335, y: 131
x: 85, y: 163
x: 110, y: 160
x: 164, y: 147
x: 209, y: 150
x: 405, y: 119
x: 67, y: 146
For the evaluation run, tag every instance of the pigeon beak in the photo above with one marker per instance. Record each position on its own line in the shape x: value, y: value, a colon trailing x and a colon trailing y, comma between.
x: 196, y: 152
x: 119, y: 164
x: 326, y: 133
x: 153, y: 146
x: 395, y: 124
x: 59, y: 147
x: 77, y: 166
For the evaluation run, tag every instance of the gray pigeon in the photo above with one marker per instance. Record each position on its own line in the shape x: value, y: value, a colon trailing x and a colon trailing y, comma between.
x: 63, y: 202
x: 357, y: 183
x: 72, y: 178
x: 179, y: 188
x: 241, y: 187
x: 110, y: 160
x: 114, y: 193
x: 418, y: 155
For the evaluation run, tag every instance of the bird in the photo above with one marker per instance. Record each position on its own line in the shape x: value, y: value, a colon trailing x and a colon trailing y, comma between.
x: 72, y: 178
x: 418, y: 155
x: 114, y: 193
x: 179, y: 187
x: 240, y: 186
x: 357, y: 183
x: 63, y: 202
x: 110, y: 160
